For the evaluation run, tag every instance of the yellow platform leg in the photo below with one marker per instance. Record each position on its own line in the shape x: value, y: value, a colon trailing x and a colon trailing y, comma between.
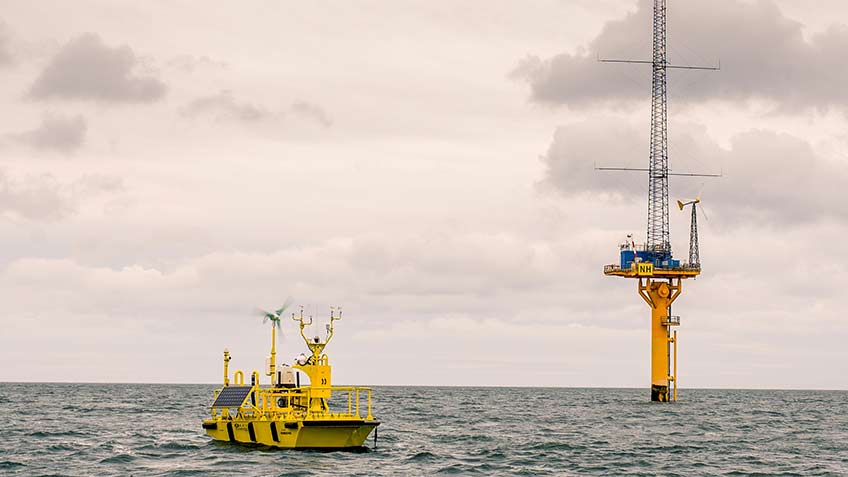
x: 659, y: 295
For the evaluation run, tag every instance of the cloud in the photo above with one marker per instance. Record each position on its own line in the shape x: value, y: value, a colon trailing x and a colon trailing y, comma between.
x: 313, y: 112
x: 35, y: 198
x: 58, y: 133
x: 493, y: 302
x: 87, y: 69
x: 191, y: 63
x: 224, y: 106
x: 769, y: 178
x: 45, y: 198
x: 91, y: 185
x: 6, y: 57
x: 577, y: 148
x: 763, y: 54
x: 477, y: 267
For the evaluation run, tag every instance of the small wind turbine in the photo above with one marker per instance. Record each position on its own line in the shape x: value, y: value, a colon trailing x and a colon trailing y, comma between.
x: 276, y: 327
x: 694, y: 253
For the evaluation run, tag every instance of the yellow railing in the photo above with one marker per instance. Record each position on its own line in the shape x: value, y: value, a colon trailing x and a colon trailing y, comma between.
x: 298, y: 403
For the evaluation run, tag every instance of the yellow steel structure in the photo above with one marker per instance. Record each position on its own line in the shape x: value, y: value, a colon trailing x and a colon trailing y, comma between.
x: 286, y: 414
x: 659, y: 287
x: 659, y: 276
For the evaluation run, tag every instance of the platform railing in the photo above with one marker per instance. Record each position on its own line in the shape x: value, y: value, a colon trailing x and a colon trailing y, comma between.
x: 672, y: 320
x: 299, y: 403
x: 683, y: 267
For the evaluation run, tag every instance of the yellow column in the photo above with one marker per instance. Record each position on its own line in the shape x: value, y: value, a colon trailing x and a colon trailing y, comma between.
x: 272, y: 366
x: 675, y: 365
x: 226, y: 367
x: 659, y: 352
x: 659, y: 295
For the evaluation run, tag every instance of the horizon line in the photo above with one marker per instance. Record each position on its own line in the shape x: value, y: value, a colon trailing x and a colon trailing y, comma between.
x: 494, y: 386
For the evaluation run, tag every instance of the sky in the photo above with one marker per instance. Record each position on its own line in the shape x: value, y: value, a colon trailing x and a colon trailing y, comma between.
x: 168, y: 167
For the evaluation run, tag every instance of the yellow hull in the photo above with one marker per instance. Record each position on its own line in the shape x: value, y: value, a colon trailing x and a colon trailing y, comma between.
x: 308, y: 434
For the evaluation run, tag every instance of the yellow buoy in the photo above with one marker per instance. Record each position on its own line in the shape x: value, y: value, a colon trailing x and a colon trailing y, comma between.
x: 286, y: 414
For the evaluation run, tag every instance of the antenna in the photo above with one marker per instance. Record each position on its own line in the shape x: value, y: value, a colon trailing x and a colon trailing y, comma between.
x: 658, y: 172
x: 642, y: 169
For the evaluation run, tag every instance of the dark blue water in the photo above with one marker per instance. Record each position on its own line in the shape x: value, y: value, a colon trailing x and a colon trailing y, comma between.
x: 139, y: 429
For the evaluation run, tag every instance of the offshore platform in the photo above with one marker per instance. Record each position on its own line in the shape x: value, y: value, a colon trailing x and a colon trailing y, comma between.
x: 659, y: 275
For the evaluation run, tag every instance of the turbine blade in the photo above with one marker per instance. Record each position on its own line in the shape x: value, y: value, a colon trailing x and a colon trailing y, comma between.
x: 704, y: 212
x: 283, y: 308
x: 700, y: 191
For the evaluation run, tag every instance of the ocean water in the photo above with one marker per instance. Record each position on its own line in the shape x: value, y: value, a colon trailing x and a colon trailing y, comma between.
x: 151, y: 429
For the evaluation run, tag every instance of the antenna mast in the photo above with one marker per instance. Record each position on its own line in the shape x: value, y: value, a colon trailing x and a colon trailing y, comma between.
x: 658, y: 241
x: 658, y: 235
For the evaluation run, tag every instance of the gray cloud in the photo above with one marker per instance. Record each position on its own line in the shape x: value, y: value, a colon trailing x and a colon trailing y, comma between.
x: 45, y: 198
x: 224, y: 106
x: 763, y: 56
x: 576, y: 150
x: 769, y: 178
x: 88, y: 69
x: 313, y: 112
x: 58, y: 133
x: 35, y: 198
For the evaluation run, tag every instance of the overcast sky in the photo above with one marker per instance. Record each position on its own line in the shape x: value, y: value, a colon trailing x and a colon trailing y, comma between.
x: 166, y: 167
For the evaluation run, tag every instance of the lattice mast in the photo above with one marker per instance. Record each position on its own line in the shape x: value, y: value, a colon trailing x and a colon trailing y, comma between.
x: 658, y: 229
x: 694, y: 254
x: 658, y: 237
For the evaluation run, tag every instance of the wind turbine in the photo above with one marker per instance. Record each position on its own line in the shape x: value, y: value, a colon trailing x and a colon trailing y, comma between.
x: 694, y: 253
x: 274, y: 318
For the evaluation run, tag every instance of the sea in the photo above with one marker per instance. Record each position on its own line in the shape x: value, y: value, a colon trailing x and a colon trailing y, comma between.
x: 155, y: 430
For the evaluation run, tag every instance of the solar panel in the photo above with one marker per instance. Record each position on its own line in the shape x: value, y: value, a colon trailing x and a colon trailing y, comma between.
x: 232, y: 396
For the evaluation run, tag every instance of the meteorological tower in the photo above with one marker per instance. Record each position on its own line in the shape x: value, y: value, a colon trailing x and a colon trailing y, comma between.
x: 659, y: 275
